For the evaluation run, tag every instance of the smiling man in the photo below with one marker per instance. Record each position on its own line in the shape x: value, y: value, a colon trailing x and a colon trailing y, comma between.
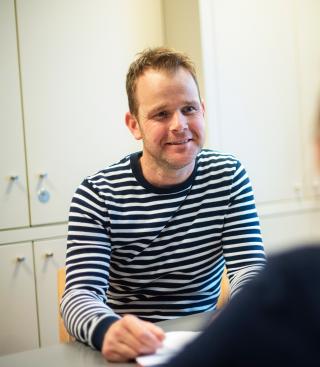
x: 149, y: 236
x: 170, y: 122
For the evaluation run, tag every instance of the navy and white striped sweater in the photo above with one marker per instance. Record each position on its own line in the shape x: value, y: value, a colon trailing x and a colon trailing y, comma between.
x: 157, y: 253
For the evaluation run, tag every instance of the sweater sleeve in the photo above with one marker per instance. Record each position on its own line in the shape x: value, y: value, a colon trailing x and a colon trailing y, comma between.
x: 84, y: 303
x: 241, y: 238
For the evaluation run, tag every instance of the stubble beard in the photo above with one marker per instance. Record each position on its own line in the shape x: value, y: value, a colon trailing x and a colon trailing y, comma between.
x: 171, y: 165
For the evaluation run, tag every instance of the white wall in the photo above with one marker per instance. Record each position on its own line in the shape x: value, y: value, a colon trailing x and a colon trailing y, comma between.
x: 182, y: 30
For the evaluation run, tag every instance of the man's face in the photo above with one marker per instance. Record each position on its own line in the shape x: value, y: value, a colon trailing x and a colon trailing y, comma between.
x: 170, y: 119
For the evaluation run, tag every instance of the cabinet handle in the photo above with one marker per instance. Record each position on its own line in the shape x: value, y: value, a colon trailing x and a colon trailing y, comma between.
x: 20, y: 259
x: 49, y: 254
x: 14, y: 178
x: 43, y: 193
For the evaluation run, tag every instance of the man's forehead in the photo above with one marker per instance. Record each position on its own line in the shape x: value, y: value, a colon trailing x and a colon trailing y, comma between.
x: 162, y: 78
x: 164, y: 71
x: 161, y: 88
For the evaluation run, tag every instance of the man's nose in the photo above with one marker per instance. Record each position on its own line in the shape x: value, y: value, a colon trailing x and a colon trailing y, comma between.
x: 179, y: 122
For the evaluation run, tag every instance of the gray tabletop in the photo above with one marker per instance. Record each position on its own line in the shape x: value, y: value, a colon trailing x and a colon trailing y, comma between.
x: 79, y: 355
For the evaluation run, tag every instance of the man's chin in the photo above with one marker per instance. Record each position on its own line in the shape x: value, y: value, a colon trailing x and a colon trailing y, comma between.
x: 177, y: 164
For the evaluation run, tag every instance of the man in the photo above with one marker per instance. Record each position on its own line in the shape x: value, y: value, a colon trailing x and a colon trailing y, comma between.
x: 149, y: 236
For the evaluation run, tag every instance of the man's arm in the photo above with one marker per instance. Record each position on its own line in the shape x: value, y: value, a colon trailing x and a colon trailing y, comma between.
x: 84, y: 304
x: 241, y: 241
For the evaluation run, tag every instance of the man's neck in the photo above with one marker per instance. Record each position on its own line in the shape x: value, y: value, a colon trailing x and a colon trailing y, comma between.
x: 163, y: 176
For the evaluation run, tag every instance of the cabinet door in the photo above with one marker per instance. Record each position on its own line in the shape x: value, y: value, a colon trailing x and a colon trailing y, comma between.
x: 18, y: 315
x: 74, y: 59
x: 250, y: 47
x: 49, y: 257
x: 308, y: 16
x: 13, y: 190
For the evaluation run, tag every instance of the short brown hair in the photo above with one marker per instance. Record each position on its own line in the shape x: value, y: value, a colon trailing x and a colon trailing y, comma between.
x: 158, y: 58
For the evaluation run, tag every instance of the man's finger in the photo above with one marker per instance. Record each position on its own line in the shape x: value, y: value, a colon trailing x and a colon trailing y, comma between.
x: 156, y: 330
x: 146, y: 333
x: 120, y: 353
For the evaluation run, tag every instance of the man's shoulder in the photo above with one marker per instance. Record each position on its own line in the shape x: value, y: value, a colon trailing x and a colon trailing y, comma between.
x: 122, y: 168
x: 210, y: 156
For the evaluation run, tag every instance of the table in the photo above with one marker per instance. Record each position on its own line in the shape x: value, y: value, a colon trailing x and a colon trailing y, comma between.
x: 76, y: 354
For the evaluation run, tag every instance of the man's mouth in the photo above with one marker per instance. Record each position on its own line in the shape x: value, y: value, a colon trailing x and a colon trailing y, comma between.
x: 179, y: 142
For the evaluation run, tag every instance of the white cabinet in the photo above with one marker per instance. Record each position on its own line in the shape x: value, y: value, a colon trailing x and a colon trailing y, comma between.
x: 18, y: 308
x: 256, y: 65
x: 262, y: 60
x: 29, y: 296
x: 71, y: 59
x: 49, y: 256
x: 308, y: 44
x: 74, y: 58
x: 13, y: 187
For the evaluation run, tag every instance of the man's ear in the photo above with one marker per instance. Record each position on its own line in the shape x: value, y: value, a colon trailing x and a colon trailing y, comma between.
x: 133, y: 125
x: 203, y: 106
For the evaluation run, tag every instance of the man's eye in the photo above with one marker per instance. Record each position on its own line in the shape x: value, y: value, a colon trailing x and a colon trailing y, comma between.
x: 188, y: 109
x: 162, y: 115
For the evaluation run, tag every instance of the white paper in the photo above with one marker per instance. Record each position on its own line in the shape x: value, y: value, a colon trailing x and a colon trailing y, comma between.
x: 174, y: 341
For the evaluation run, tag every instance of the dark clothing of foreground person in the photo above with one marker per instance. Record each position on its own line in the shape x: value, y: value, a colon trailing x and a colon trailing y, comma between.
x: 274, y: 321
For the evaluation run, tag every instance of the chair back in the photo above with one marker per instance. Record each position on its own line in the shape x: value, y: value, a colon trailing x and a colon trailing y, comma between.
x: 64, y: 336
x: 224, y: 291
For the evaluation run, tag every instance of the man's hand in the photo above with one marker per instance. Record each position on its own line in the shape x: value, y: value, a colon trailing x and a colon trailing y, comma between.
x: 129, y: 337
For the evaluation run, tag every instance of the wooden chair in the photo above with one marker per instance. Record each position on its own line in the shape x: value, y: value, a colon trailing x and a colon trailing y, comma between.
x: 65, y: 337
x: 225, y: 290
